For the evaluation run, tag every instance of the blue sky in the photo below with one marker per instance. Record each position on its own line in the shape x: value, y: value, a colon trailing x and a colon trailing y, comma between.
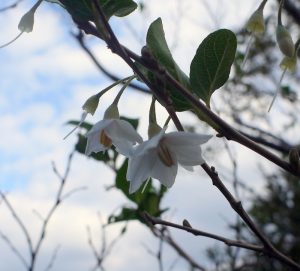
x: 45, y: 79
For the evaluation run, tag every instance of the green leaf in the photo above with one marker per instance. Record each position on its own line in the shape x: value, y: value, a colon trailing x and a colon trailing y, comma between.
x: 158, y: 46
x: 126, y: 214
x: 81, y: 10
x: 118, y: 8
x: 122, y: 184
x: 147, y: 199
x: 211, y: 65
x: 81, y: 145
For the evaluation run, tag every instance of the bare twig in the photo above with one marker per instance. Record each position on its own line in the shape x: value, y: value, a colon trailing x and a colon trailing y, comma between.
x: 10, y: 6
x: 229, y: 242
x: 216, y: 122
x: 101, y: 254
x: 167, y: 237
x: 52, y: 260
x: 34, y: 249
x: 18, y: 221
x: 57, y: 202
x: 79, y: 37
x: 269, y: 249
x: 14, y: 249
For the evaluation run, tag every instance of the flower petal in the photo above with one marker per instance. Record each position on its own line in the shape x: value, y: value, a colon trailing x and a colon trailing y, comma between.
x: 149, y: 145
x: 119, y: 130
x: 93, y: 144
x: 139, y: 169
x: 189, y: 168
x: 99, y: 126
x: 186, y: 138
x: 124, y: 147
x: 93, y: 137
x: 166, y: 175
x: 188, y: 155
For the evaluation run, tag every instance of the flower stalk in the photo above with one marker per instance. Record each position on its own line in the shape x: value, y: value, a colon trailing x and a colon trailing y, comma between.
x: 91, y: 104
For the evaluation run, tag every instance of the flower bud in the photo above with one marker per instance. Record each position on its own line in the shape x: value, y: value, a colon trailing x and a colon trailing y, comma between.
x: 153, y: 129
x: 289, y: 63
x: 285, y: 41
x: 112, y: 112
x: 91, y: 104
x: 26, y: 22
x: 256, y: 22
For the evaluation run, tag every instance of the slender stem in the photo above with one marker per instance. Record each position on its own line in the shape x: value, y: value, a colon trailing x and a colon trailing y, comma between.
x: 225, y: 129
x: 19, y: 221
x: 79, y: 38
x: 127, y: 83
x: 10, y: 42
x: 229, y: 132
x: 155, y: 220
x: 36, y: 5
x: 247, y: 50
x: 277, y: 89
x: 279, y: 22
x: 238, y: 208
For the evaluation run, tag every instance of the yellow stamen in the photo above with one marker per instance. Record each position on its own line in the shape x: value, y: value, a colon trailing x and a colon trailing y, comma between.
x: 105, y: 139
x: 164, y: 154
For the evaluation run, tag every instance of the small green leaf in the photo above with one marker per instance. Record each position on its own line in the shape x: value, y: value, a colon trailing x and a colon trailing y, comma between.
x: 122, y: 184
x: 158, y: 46
x: 119, y: 8
x: 81, y: 10
x: 81, y: 145
x: 126, y: 214
x: 210, y: 68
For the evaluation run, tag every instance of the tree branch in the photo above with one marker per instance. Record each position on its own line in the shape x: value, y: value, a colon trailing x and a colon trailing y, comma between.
x: 155, y: 220
x: 221, y: 126
x: 79, y: 37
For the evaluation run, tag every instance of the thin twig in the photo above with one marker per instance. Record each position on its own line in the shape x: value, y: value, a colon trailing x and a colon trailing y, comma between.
x: 167, y: 237
x: 57, y: 202
x: 269, y: 249
x: 53, y: 258
x: 18, y: 221
x: 229, y: 242
x: 80, y: 39
x: 14, y: 249
x: 220, y: 125
x: 10, y: 6
x: 105, y: 249
x: 215, y: 121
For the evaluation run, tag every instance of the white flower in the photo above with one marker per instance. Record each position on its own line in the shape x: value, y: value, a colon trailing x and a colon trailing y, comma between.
x: 108, y: 132
x: 159, y: 157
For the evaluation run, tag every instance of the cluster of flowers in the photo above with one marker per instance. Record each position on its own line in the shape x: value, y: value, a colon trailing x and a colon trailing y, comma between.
x: 157, y: 157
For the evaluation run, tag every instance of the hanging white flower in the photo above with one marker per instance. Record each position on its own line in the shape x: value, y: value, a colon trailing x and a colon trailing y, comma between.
x: 112, y: 131
x: 159, y: 157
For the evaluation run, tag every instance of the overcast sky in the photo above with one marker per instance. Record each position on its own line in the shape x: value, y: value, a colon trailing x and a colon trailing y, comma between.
x: 45, y: 79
